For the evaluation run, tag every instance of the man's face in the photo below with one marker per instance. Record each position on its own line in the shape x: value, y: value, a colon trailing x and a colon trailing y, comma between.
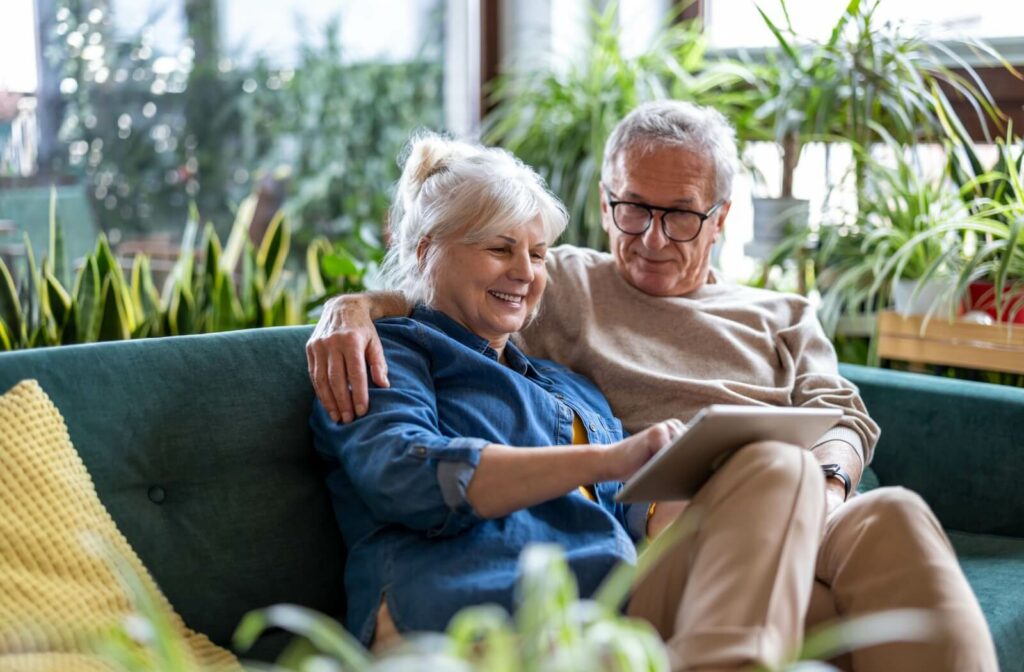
x: 668, y: 177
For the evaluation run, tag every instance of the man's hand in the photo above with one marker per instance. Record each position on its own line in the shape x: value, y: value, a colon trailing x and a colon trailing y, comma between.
x: 623, y: 458
x: 337, y: 353
x: 847, y: 457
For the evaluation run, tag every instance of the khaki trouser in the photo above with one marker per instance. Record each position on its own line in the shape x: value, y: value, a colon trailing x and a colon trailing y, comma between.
x: 736, y: 592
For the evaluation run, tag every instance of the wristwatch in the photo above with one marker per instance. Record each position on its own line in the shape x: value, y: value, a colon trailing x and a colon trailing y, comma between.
x: 835, y: 471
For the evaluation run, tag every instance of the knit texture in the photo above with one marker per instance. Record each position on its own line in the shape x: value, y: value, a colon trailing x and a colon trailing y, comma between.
x: 59, y: 591
x: 669, y: 357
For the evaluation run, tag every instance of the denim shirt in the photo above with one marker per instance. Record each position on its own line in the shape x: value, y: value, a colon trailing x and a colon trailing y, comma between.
x: 398, y: 477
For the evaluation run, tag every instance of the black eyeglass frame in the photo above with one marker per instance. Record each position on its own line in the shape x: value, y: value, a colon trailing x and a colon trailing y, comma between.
x: 704, y: 216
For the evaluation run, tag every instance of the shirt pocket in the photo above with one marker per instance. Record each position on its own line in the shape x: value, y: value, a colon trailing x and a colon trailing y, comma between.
x: 602, y: 429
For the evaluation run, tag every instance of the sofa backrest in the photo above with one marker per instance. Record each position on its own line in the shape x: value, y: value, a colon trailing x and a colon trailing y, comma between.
x: 201, y: 450
x: 957, y: 443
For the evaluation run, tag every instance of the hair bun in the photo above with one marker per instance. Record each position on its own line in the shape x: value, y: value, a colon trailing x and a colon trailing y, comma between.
x: 426, y: 155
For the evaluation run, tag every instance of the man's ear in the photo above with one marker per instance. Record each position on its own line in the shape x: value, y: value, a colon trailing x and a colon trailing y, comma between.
x: 606, y: 214
x: 723, y: 212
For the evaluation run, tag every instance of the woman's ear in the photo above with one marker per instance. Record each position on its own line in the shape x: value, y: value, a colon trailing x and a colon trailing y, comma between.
x: 421, y: 250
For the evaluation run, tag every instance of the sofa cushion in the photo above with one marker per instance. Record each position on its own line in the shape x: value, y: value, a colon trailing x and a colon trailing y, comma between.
x: 995, y: 566
x: 59, y: 584
x: 966, y: 444
x: 200, y: 448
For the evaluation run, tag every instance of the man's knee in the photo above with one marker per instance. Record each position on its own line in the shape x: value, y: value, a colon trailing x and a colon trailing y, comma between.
x: 777, y: 461
x: 895, y: 507
x: 891, y: 518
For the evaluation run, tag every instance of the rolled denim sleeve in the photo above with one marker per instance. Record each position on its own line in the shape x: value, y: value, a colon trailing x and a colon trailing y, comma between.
x: 401, y: 466
x: 455, y: 464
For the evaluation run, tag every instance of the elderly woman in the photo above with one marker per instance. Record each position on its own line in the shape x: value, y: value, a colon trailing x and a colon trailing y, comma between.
x: 475, y: 449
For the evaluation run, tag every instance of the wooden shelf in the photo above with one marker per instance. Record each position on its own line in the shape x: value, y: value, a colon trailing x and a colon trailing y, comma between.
x: 990, y: 347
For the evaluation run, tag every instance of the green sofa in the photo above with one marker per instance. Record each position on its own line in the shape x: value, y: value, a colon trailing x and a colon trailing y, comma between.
x: 200, y: 448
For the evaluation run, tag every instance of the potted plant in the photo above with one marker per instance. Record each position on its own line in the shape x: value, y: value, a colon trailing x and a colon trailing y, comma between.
x: 994, y: 278
x: 864, y: 82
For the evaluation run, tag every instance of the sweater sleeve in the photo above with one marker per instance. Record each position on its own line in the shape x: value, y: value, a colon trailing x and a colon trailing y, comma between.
x: 556, y: 326
x: 816, y: 383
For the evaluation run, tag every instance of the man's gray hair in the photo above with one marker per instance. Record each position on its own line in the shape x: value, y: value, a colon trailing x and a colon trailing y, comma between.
x: 702, y: 130
x: 452, y: 191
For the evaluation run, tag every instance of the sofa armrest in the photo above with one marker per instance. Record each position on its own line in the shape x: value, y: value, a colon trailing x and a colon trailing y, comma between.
x: 959, y: 444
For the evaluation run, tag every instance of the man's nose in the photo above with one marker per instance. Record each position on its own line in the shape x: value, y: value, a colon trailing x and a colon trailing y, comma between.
x: 654, y: 237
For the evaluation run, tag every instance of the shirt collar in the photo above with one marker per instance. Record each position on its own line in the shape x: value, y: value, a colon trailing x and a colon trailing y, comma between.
x: 517, y: 361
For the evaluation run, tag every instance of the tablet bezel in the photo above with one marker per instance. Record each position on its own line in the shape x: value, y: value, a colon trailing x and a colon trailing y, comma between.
x: 680, y: 469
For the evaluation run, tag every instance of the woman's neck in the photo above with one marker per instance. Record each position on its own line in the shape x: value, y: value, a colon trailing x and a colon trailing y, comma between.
x: 499, y: 348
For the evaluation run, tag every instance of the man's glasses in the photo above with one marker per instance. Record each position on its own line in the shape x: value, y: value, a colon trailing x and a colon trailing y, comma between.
x: 680, y: 226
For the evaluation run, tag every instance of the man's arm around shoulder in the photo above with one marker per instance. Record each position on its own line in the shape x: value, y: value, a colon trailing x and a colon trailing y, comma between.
x: 343, y: 344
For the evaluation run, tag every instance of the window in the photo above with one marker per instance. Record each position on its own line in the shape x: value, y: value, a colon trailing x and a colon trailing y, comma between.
x: 736, y: 23
x: 18, y: 47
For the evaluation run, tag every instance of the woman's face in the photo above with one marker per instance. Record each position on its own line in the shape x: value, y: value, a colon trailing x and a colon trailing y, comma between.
x: 492, y: 287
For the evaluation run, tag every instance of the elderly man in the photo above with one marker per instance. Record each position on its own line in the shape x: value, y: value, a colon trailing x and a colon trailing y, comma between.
x: 663, y: 336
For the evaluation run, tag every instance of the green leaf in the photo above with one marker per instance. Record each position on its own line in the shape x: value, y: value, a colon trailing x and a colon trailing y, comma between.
x: 113, y: 323
x: 898, y: 625
x: 58, y: 301
x: 314, y: 256
x: 339, y: 264
x: 273, y: 252
x: 181, y: 274
x: 87, y: 300
x: 69, y: 334
x: 324, y: 633
x: 239, y: 235
x: 106, y: 263
x: 484, y: 636
x: 6, y: 342
x: 10, y: 308
x: 57, y: 255
x: 32, y: 292
x: 249, y: 288
x: 227, y: 311
x: 144, y: 295
x: 181, y: 311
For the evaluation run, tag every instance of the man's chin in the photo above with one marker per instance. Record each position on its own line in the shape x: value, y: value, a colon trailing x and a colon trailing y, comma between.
x: 653, y: 283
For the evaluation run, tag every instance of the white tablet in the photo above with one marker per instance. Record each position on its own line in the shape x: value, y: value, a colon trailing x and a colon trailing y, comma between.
x: 680, y: 469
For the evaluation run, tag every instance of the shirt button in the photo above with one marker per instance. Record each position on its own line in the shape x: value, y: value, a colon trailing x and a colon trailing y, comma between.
x: 421, y: 451
x: 593, y: 426
x: 156, y: 494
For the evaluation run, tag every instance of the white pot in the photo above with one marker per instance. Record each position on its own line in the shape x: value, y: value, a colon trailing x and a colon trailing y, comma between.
x: 932, y: 298
x: 774, y: 219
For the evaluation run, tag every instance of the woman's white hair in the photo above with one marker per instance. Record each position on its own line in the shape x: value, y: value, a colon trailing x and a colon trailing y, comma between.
x: 452, y: 191
x: 702, y: 130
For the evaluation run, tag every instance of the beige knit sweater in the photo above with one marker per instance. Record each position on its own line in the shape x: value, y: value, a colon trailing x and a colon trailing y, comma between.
x: 658, y: 357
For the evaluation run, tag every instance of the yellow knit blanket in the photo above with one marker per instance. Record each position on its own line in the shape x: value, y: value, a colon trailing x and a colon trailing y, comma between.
x: 59, y: 592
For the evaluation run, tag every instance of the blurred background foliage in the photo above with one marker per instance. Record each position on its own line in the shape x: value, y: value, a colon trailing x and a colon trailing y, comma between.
x: 308, y: 144
x: 151, y: 133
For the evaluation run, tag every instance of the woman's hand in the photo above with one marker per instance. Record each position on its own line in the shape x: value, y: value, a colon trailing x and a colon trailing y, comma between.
x: 622, y: 459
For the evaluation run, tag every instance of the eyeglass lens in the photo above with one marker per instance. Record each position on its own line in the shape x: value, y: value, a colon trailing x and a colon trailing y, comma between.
x: 634, y: 219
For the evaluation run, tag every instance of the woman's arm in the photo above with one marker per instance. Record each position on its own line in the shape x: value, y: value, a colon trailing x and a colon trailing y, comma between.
x: 508, y: 479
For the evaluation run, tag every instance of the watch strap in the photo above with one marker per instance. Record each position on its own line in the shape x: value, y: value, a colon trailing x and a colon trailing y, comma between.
x: 836, y: 471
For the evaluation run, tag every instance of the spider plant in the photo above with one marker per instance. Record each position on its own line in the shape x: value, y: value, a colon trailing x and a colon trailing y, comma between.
x: 995, y: 194
x: 865, y: 76
x: 992, y: 245
x: 913, y: 230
